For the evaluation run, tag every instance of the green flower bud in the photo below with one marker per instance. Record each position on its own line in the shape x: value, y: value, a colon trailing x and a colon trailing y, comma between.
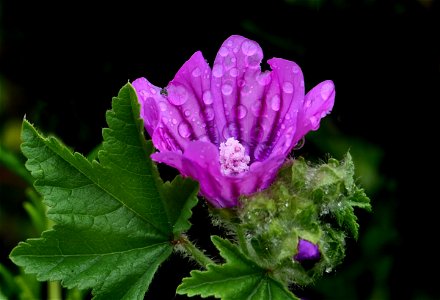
x: 309, y: 207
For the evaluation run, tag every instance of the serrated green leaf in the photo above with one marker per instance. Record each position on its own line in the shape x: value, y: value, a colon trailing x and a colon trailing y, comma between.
x: 115, y: 217
x: 239, y: 278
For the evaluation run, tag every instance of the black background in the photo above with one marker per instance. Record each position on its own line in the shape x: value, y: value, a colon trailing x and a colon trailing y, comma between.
x: 65, y: 60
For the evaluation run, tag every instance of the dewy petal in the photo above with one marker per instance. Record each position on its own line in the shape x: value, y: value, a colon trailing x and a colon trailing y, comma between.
x: 177, y: 114
x: 282, y: 101
x: 238, y: 86
x: 318, y: 103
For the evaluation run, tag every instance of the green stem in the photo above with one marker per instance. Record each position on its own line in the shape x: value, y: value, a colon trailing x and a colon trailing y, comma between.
x: 194, y: 252
x: 54, y: 290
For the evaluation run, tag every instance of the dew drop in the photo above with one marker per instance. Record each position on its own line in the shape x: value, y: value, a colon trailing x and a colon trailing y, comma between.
x: 187, y: 113
x: 240, y: 111
x: 227, y: 89
x: 208, y: 114
x: 223, y: 51
x: 217, y: 71
x: 295, y: 69
x: 275, y: 103
x: 162, y: 106
x: 249, y: 48
x: 207, y: 97
x: 174, y: 121
x: 233, y: 72
x: 177, y: 95
x: 288, y: 87
x: 326, y: 90
x: 196, y: 72
x: 184, y: 130
x: 230, y: 130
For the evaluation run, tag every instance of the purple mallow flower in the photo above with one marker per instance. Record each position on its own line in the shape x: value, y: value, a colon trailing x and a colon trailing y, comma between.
x: 232, y: 127
x: 307, y: 251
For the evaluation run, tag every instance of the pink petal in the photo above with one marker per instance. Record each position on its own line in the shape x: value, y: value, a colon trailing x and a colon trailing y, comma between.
x: 238, y: 86
x: 148, y: 97
x: 190, y: 91
x: 318, y: 103
x: 279, y: 114
x: 177, y: 114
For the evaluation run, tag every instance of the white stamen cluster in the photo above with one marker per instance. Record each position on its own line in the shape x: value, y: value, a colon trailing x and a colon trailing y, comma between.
x: 233, y: 159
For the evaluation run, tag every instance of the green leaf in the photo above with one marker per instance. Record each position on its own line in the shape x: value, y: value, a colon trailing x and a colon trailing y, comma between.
x: 115, y: 217
x: 238, y: 278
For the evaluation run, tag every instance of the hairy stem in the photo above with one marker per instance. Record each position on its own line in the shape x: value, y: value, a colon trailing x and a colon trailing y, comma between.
x: 185, y: 245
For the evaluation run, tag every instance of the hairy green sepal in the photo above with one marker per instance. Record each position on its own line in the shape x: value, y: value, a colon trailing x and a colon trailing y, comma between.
x: 311, y: 202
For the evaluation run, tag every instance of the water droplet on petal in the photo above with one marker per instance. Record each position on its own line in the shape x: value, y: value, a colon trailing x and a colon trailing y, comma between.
x: 227, y: 89
x: 196, y: 72
x: 288, y: 87
x: 207, y: 97
x: 249, y: 48
x: 230, y: 130
x: 233, y: 72
x: 184, y: 130
x: 217, y: 71
x: 240, y: 111
x: 326, y: 90
x: 208, y: 114
x: 275, y: 103
x: 187, y: 113
x: 295, y: 69
x: 253, y: 61
x: 177, y: 95
x: 162, y: 106
x: 223, y: 51
x: 174, y: 121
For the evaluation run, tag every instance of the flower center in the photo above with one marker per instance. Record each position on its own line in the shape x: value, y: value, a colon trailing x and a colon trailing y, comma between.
x: 233, y: 159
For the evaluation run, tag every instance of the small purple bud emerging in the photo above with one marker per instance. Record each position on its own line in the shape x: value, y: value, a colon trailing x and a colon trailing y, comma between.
x: 307, y: 251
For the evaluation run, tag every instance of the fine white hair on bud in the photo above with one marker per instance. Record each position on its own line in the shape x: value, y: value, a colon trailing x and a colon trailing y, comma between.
x: 233, y: 158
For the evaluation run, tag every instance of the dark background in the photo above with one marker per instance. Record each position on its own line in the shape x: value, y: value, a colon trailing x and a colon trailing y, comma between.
x: 61, y: 63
